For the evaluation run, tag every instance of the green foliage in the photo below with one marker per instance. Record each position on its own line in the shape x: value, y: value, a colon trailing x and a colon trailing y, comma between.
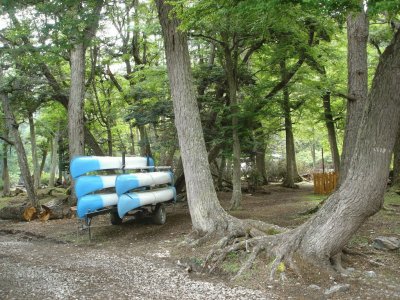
x: 232, y: 263
x: 129, y: 81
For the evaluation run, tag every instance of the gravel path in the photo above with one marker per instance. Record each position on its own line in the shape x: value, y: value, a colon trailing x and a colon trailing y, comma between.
x: 33, y: 269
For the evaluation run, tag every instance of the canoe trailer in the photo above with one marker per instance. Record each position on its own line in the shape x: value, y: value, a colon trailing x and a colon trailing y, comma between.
x: 143, y: 192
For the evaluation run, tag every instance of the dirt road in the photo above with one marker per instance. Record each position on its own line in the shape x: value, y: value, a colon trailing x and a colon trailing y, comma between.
x: 32, y: 268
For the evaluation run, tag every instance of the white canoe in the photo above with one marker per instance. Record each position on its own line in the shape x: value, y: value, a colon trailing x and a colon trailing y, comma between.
x: 91, y: 203
x: 127, y: 182
x: 130, y: 201
x: 84, y: 164
x: 87, y: 184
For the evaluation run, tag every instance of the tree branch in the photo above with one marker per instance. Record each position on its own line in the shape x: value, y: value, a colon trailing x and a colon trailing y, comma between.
x: 113, y: 79
x: 7, y: 140
x: 208, y: 38
x: 341, y: 95
x: 293, y: 71
x: 253, y: 49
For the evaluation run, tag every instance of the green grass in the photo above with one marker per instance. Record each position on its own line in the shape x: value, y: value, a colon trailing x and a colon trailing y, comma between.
x: 273, y: 231
x: 231, y: 263
x: 315, y: 198
x: 359, y: 240
x: 197, y: 261
x: 392, y: 198
x: 4, y: 201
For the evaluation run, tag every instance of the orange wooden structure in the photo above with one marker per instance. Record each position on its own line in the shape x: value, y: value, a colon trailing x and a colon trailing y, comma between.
x: 325, y: 183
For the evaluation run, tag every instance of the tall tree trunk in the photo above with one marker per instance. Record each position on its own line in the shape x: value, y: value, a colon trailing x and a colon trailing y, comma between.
x: 36, y: 170
x: 330, y: 125
x: 19, y: 146
x: 313, y: 154
x: 60, y: 160
x: 54, y: 160
x: 292, y: 175
x: 6, y: 174
x: 206, y: 213
x: 357, y: 64
x: 361, y: 193
x: 230, y: 71
x: 396, y: 163
x: 260, y: 149
x: 75, y: 106
x: 144, y: 142
x: 76, y: 126
x: 109, y: 140
x: 132, y: 139
x: 221, y: 172
x: 43, y: 162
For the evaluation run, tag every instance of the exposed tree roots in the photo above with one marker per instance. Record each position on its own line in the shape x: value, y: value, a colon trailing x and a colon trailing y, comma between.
x: 255, y: 237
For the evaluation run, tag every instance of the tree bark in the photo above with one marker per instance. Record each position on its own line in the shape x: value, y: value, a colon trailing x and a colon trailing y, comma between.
x: 144, y: 142
x: 330, y: 126
x: 76, y: 125
x: 5, y: 174
x: 291, y: 168
x: 75, y: 106
x: 396, y: 163
x: 357, y: 64
x: 42, y: 163
x: 206, y: 213
x: 221, y: 172
x: 260, y: 149
x: 54, y: 158
x: 19, y: 146
x: 132, y: 139
x: 230, y: 71
x: 75, y: 103
x: 361, y: 193
x: 36, y: 170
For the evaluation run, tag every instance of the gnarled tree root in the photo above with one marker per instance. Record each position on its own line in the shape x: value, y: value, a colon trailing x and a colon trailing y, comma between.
x: 281, y: 246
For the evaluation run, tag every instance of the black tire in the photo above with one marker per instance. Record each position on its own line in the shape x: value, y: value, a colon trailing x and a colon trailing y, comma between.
x: 159, y: 216
x: 115, y: 219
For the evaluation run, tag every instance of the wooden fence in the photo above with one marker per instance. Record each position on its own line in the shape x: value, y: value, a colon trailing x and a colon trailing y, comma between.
x: 325, y: 183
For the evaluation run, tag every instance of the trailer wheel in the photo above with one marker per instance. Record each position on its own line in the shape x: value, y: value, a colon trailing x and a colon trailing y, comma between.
x: 115, y: 219
x: 159, y: 215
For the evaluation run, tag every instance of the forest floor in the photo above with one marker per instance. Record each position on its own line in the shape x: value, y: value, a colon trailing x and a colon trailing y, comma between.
x: 139, y: 260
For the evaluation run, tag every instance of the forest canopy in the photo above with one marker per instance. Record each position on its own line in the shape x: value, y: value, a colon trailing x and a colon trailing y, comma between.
x: 231, y: 94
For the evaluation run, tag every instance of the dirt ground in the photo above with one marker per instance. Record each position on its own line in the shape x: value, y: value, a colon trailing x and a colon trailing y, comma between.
x: 57, y: 254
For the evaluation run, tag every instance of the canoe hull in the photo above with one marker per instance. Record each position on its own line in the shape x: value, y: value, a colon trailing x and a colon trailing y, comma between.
x: 83, y: 164
x: 87, y: 184
x: 130, y: 201
x: 127, y: 182
x: 91, y: 203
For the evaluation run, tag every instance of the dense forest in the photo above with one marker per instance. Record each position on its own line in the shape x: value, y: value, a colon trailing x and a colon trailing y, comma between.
x: 232, y: 94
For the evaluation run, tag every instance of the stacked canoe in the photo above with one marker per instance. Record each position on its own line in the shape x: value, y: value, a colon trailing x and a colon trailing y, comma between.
x: 129, y: 191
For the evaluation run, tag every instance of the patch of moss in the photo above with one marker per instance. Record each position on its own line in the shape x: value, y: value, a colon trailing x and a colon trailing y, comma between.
x: 272, y: 231
x: 359, y: 240
x: 4, y: 201
x: 231, y: 263
x: 392, y: 198
x: 315, y: 198
x: 197, y: 261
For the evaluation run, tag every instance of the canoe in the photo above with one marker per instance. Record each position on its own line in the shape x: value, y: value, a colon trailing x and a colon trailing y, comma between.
x: 127, y: 182
x: 130, y: 201
x: 84, y: 164
x: 91, y: 203
x: 87, y: 184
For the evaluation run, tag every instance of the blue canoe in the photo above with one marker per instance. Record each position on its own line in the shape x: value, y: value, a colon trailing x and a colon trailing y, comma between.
x: 91, y: 203
x: 83, y: 164
x: 87, y: 184
x: 130, y: 201
x: 127, y: 182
